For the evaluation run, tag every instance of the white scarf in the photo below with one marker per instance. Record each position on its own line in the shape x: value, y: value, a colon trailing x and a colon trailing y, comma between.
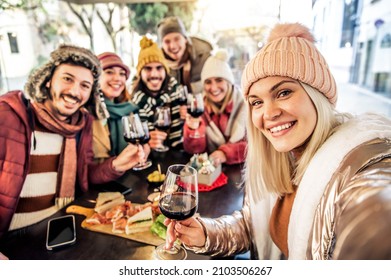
x: 235, y: 130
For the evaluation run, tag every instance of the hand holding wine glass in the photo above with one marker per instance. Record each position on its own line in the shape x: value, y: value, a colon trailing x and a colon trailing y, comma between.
x: 195, y: 107
x: 136, y: 132
x: 162, y: 122
x: 182, y: 100
x: 178, y: 201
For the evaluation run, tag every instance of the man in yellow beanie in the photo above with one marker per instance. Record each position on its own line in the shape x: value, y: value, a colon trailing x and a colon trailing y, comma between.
x: 185, y: 54
x: 154, y: 87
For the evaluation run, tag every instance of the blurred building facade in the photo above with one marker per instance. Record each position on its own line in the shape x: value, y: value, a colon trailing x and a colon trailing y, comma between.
x: 17, y: 49
x: 355, y: 37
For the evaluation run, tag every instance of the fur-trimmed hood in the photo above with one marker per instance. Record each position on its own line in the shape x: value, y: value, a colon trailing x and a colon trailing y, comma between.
x: 35, y: 88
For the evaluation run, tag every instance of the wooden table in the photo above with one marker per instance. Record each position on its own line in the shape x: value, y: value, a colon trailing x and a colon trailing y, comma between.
x: 29, y: 243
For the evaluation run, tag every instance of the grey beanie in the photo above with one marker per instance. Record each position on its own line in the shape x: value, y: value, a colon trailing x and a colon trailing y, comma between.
x: 170, y: 25
x: 36, y: 89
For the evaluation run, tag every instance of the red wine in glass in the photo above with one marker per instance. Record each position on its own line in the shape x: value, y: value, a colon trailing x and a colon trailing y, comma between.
x: 182, y: 95
x: 134, y: 140
x: 181, y: 206
x: 145, y: 139
x: 136, y: 132
x: 162, y: 122
x: 162, y: 127
x: 178, y: 201
x: 195, y: 107
x: 196, y: 112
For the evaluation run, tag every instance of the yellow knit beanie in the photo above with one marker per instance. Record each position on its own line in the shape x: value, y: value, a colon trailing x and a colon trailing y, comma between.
x: 290, y: 52
x: 150, y: 52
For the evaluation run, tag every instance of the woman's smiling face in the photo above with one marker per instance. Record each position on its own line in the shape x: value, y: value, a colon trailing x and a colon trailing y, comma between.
x: 216, y: 88
x: 113, y: 82
x: 282, y: 110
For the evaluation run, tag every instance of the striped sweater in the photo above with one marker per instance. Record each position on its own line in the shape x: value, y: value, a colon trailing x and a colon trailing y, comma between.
x: 147, y: 104
x: 37, y: 199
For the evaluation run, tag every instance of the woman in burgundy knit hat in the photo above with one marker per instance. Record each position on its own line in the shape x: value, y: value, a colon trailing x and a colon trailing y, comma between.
x: 114, y: 103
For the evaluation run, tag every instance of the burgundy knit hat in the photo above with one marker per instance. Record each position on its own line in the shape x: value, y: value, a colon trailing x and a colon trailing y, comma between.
x: 290, y: 52
x: 109, y: 59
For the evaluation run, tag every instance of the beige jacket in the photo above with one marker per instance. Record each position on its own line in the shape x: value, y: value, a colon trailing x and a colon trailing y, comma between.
x: 344, y: 193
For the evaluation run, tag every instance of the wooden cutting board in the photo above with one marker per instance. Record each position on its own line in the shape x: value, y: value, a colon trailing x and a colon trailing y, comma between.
x: 146, y: 237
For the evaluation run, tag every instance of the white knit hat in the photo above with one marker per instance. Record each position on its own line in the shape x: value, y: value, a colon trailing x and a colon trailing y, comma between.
x: 217, y: 66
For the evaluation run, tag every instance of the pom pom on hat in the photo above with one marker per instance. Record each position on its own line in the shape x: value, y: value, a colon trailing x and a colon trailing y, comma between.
x: 145, y: 42
x: 109, y: 59
x: 222, y: 54
x: 150, y: 52
x: 290, y: 30
x: 217, y: 66
x: 290, y: 52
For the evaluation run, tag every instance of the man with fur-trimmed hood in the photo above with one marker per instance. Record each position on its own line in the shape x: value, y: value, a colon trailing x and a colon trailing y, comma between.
x: 46, y: 140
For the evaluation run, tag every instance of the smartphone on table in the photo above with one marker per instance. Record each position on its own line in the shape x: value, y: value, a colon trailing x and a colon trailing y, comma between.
x: 61, y: 232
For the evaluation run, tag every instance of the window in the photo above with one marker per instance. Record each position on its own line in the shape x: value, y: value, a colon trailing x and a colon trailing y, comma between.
x: 386, y: 41
x: 349, y: 22
x: 13, y: 42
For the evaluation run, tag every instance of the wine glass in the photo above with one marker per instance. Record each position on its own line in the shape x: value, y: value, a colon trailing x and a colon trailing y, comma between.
x: 136, y: 132
x: 162, y: 122
x: 182, y: 96
x: 178, y: 201
x: 195, y: 107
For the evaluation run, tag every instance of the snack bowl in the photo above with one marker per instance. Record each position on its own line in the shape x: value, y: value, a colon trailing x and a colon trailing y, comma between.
x: 155, y: 179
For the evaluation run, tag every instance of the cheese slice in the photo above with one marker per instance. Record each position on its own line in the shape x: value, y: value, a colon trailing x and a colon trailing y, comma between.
x: 107, y: 200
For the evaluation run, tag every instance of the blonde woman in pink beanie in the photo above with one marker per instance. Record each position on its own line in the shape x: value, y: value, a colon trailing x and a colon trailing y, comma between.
x: 317, y: 182
x: 222, y: 126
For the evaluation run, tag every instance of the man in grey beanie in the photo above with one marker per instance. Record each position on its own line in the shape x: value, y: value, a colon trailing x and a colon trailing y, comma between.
x: 185, y: 54
x: 46, y: 140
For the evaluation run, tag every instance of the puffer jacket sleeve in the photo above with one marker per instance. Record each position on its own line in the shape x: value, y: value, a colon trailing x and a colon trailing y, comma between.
x: 14, y: 146
x: 227, y: 235
x: 235, y: 152
x: 363, y: 228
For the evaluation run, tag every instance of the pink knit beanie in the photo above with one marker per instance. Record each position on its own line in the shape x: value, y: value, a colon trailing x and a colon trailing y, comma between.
x: 290, y: 52
x: 109, y: 59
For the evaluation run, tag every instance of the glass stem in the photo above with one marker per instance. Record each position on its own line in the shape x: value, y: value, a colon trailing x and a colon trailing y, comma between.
x: 170, y: 243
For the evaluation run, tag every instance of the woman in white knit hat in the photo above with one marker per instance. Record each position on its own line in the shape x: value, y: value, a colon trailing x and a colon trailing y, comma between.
x: 222, y: 126
x: 317, y: 182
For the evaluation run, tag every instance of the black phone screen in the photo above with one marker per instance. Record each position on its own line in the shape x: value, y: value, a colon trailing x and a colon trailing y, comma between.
x: 61, y: 231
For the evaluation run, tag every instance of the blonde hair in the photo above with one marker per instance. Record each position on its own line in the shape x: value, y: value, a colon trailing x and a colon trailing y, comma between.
x: 277, y: 172
x: 217, y: 108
